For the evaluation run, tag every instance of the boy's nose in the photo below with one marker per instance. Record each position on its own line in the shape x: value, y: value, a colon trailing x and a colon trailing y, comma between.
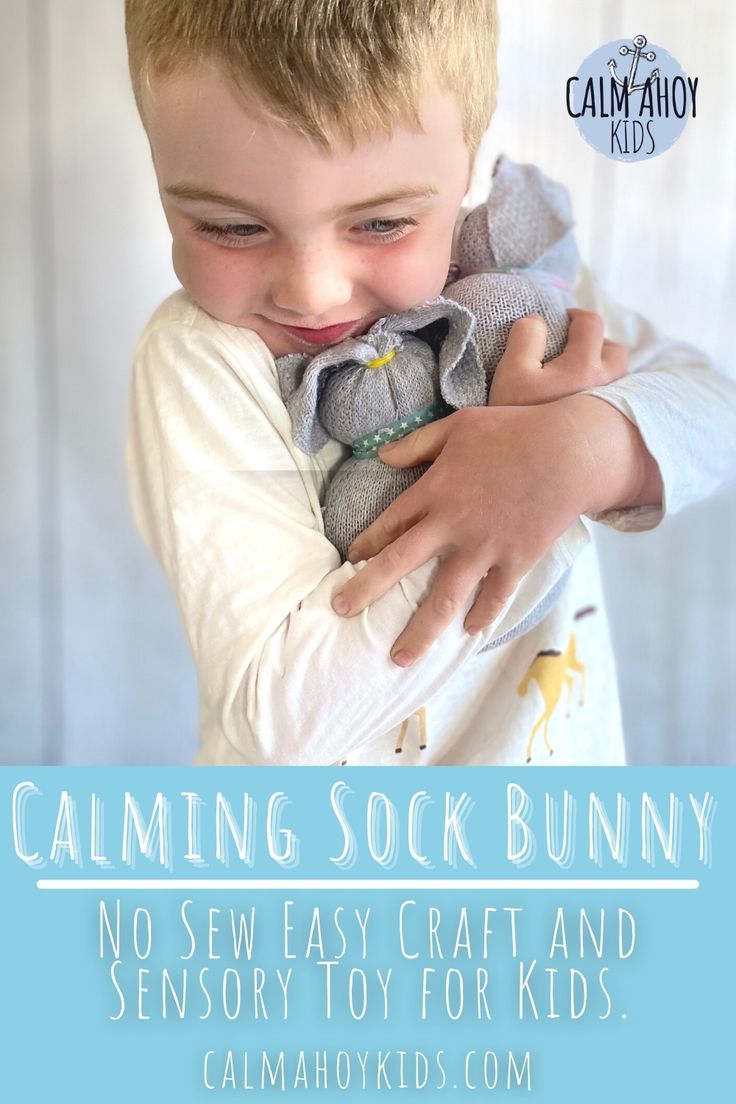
x: 312, y: 291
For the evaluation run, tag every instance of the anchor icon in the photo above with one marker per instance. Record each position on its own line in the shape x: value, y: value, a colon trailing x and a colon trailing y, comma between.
x: 639, y: 43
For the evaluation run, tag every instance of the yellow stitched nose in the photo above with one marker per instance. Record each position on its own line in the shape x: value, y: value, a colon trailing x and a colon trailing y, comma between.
x: 380, y: 361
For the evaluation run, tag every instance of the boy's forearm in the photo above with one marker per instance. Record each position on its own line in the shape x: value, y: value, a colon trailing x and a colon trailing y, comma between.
x: 621, y: 472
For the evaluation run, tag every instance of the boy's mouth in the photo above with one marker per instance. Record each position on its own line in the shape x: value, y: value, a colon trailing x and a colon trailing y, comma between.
x: 327, y: 335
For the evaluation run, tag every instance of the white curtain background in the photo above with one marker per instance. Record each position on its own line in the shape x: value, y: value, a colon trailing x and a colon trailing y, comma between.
x: 93, y: 664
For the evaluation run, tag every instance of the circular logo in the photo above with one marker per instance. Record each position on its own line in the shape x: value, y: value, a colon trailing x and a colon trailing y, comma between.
x: 631, y: 99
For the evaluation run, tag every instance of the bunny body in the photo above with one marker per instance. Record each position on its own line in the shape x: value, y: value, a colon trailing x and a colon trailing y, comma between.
x: 516, y: 257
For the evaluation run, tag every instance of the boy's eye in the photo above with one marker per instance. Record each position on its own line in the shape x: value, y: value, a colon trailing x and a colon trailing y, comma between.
x: 387, y: 229
x: 229, y: 231
x: 390, y: 229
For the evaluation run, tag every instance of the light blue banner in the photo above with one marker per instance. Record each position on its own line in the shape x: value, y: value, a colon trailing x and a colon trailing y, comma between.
x: 198, y: 934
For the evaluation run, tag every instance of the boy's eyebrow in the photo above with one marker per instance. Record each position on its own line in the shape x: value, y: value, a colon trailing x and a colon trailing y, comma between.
x: 208, y: 195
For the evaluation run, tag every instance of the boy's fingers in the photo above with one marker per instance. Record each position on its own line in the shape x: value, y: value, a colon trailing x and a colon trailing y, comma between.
x: 523, y: 355
x: 587, y: 359
x: 615, y: 360
x: 393, y: 563
x: 423, y: 445
x: 584, y: 338
x: 402, y: 514
x: 526, y: 342
x: 455, y: 579
x: 493, y: 594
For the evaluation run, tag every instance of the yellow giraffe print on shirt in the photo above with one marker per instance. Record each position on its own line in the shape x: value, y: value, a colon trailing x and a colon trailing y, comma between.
x: 551, y: 670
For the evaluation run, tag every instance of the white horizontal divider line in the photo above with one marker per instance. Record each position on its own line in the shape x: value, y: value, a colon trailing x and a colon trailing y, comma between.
x: 293, y: 884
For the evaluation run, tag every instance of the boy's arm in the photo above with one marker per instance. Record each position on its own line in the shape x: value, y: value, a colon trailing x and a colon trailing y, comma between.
x: 684, y: 411
x: 664, y: 435
x: 231, y: 509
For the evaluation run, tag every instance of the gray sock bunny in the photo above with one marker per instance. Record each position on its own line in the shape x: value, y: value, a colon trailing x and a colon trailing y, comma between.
x: 516, y: 256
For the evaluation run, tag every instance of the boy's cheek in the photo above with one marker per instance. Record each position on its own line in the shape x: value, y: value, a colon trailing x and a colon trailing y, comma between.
x: 420, y: 277
x: 188, y: 271
x: 216, y: 282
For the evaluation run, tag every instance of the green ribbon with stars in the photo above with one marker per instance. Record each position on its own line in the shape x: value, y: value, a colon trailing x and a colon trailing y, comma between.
x: 367, y: 447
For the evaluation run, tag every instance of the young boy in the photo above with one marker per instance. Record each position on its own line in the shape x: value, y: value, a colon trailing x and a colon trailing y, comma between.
x: 312, y: 158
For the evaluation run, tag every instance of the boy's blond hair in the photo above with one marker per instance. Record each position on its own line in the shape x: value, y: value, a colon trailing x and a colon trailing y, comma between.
x: 326, y: 67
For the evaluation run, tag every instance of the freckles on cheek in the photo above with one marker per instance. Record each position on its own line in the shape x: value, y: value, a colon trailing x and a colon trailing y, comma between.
x: 210, y: 276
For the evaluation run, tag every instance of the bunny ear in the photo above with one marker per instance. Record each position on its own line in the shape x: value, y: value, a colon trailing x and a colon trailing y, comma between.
x: 302, y: 379
x: 290, y: 370
x: 462, y: 376
x: 526, y: 221
x: 300, y: 393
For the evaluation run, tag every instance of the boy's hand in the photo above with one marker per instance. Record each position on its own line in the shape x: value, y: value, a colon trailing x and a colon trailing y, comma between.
x: 586, y: 361
x: 506, y: 483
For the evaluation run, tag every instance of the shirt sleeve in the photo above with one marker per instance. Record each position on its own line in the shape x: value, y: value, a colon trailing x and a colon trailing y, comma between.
x: 683, y: 408
x: 231, y: 510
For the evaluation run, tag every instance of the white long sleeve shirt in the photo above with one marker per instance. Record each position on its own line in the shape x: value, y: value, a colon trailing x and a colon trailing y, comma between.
x: 232, y: 510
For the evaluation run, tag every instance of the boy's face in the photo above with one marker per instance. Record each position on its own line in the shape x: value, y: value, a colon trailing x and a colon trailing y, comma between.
x: 274, y: 246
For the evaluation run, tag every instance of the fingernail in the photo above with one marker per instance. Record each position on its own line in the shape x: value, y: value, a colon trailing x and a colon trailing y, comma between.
x: 352, y: 558
x: 340, y: 604
x: 472, y: 630
x: 403, y: 658
x: 389, y: 446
